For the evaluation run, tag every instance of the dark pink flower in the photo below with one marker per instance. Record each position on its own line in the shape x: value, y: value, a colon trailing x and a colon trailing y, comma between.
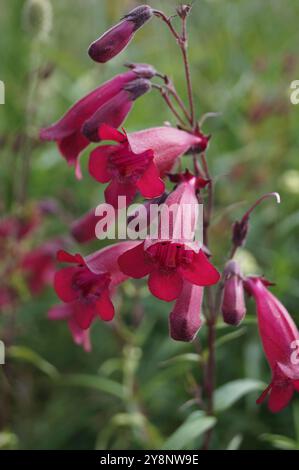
x: 280, y: 339
x: 67, y: 132
x: 86, y: 285
x: 66, y: 312
x: 117, y: 38
x: 168, y: 264
x: 127, y: 171
x: 233, y: 302
x: 39, y: 265
x: 185, y: 320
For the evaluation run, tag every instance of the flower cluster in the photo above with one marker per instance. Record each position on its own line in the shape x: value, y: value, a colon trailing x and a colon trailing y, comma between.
x: 138, y: 163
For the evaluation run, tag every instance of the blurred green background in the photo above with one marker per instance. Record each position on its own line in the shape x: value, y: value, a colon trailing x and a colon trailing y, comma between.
x: 137, y: 387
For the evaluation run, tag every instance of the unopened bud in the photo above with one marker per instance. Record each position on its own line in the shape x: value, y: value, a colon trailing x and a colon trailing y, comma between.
x: 233, y: 303
x: 117, y: 38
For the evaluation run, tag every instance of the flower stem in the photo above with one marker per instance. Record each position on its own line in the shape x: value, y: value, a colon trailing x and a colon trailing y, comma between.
x: 184, y: 46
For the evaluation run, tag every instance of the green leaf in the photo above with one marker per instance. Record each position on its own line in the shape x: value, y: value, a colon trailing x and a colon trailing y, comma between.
x: 23, y: 353
x: 92, y: 381
x: 231, y: 392
x: 181, y: 358
x: 194, y: 426
x: 8, y: 441
x: 280, y: 442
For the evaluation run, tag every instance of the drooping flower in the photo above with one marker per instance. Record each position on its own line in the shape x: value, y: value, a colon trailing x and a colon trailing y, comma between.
x: 168, y: 264
x: 233, y: 302
x: 66, y: 312
x: 128, y: 171
x: 67, y: 132
x: 39, y: 265
x: 86, y: 285
x: 280, y: 339
x: 185, y: 320
x: 117, y: 38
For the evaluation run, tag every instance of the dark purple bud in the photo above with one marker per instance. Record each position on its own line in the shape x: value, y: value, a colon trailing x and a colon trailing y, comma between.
x: 240, y: 230
x: 233, y: 303
x: 117, y: 38
x: 84, y: 229
x: 115, y: 111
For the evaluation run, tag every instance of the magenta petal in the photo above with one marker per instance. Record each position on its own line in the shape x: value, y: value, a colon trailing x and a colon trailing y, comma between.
x: 80, y: 337
x: 201, y: 272
x: 134, y: 263
x: 66, y: 257
x: 107, y: 132
x: 184, y: 320
x: 84, y: 314
x: 280, y: 397
x: 105, y: 307
x: 98, y: 163
x: 117, y: 188
x: 63, y: 284
x: 296, y: 385
x: 150, y: 184
x: 71, y: 147
x: 165, y: 285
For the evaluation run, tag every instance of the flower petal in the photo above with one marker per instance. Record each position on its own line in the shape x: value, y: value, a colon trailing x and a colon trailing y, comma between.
x: 134, y: 263
x: 105, y: 307
x: 71, y: 147
x: 107, y: 132
x: 280, y: 397
x: 165, y: 286
x: 150, y: 184
x: 60, y: 312
x: 84, y: 314
x: 116, y: 189
x: 63, y: 284
x: 200, y: 272
x: 66, y: 257
x: 98, y: 163
x: 80, y: 337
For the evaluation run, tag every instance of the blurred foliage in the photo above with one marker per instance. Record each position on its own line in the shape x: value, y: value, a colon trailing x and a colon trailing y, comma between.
x: 137, y: 388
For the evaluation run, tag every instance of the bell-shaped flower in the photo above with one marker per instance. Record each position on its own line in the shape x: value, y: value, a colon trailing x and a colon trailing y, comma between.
x: 280, y: 339
x: 126, y: 170
x: 86, y: 284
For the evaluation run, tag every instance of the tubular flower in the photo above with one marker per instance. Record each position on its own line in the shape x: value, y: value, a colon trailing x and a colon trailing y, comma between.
x: 184, y: 320
x: 128, y: 171
x: 280, y: 339
x: 233, y: 303
x: 168, y: 265
x: 85, y: 285
x: 67, y: 132
x: 66, y: 312
x: 117, y: 38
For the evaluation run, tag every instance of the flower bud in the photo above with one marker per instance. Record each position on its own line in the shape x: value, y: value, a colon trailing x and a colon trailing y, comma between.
x: 233, y: 303
x: 117, y: 38
x: 142, y: 70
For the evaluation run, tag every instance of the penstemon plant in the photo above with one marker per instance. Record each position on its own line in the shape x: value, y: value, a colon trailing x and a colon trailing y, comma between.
x: 139, y: 163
